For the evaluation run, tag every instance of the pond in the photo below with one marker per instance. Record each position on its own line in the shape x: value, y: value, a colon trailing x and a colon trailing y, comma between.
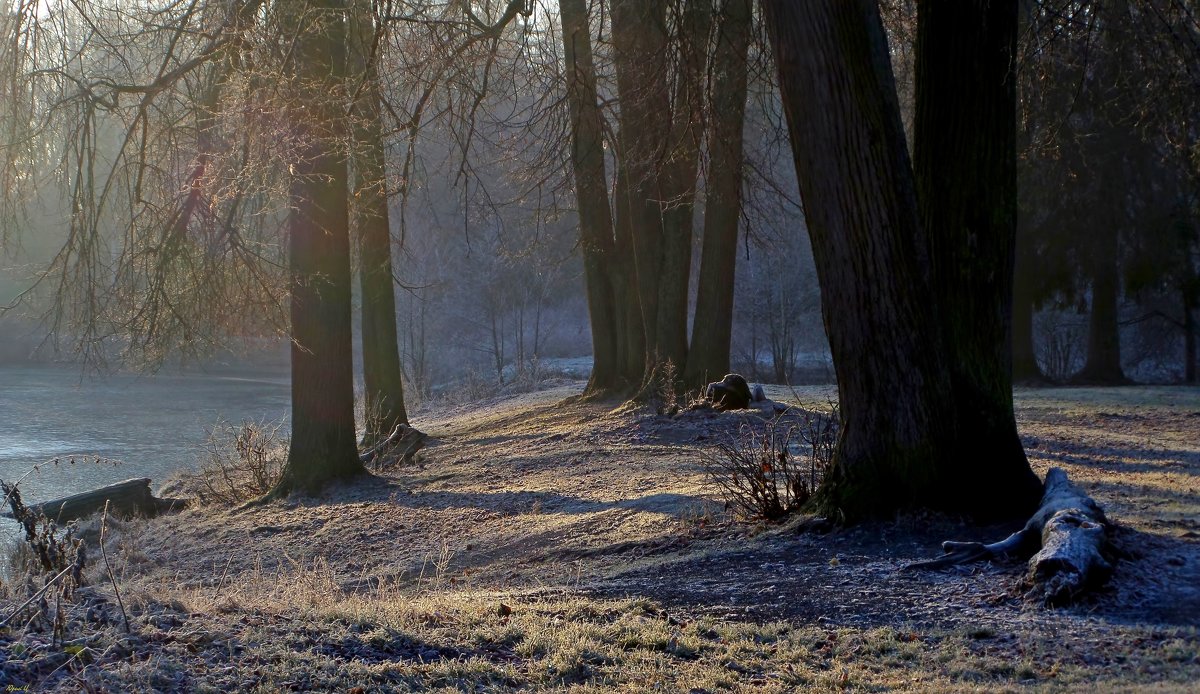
x: 152, y: 424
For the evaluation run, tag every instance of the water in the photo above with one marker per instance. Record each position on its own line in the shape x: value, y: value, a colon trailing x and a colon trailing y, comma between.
x: 154, y: 424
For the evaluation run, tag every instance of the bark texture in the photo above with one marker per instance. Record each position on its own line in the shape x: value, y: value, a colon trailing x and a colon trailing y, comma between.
x: 323, y: 446
x: 679, y: 182
x: 966, y: 173
x: 871, y: 257
x: 639, y: 35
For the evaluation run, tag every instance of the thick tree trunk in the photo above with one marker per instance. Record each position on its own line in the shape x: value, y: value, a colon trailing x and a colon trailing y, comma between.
x: 966, y: 172
x: 382, y: 382
x: 631, y: 336
x: 712, y: 327
x: 595, y: 216
x: 870, y: 250
x: 322, y: 444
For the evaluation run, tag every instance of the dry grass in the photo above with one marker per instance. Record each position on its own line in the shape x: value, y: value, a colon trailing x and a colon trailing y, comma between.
x: 299, y: 630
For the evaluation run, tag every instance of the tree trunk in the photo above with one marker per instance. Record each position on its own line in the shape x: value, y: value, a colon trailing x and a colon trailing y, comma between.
x: 1065, y: 540
x: 591, y: 193
x: 631, y: 336
x: 712, y: 327
x: 1115, y: 109
x: 965, y: 165
x: 383, y: 385
x: 322, y: 444
x: 1189, y: 331
x: 639, y: 36
x: 1103, y: 364
x: 679, y: 184
x: 870, y: 250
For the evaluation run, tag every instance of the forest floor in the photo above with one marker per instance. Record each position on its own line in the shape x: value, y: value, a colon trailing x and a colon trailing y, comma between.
x: 542, y: 544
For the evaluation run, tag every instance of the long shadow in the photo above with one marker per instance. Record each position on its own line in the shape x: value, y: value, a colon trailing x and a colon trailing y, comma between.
x: 1113, y: 457
x: 515, y: 502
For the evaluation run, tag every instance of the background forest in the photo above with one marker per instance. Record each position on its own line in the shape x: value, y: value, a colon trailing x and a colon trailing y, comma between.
x: 476, y: 143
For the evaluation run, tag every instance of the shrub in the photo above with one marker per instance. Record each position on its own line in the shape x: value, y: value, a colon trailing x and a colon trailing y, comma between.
x: 242, y: 463
x: 772, y: 472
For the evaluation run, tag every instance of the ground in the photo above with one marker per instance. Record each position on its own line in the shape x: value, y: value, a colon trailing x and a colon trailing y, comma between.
x: 548, y: 543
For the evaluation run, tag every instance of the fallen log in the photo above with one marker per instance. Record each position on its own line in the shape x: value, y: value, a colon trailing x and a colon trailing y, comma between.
x: 1065, y: 542
x: 131, y: 497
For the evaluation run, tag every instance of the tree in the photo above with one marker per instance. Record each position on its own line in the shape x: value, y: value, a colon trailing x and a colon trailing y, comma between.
x: 901, y: 442
x: 965, y: 166
x: 382, y: 383
x: 712, y: 328
x: 595, y: 216
x: 322, y: 444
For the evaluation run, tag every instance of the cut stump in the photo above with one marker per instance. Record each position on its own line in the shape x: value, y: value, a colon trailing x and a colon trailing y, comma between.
x: 1065, y: 542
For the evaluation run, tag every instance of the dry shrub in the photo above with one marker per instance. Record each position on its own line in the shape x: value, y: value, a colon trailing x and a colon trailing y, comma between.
x: 242, y: 462
x: 772, y: 472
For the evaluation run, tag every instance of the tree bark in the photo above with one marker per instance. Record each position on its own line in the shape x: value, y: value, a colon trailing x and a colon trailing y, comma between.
x: 595, y: 216
x: 871, y: 258
x: 322, y: 447
x: 965, y: 166
x: 712, y: 326
x: 382, y: 382
x: 631, y: 335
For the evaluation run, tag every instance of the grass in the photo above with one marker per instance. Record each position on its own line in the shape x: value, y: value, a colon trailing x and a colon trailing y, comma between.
x: 298, y: 629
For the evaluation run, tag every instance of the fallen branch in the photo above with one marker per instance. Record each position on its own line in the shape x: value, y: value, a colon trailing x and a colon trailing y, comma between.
x: 1065, y: 542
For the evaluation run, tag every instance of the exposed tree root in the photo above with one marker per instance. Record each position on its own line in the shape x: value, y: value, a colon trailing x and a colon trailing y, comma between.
x: 1065, y: 542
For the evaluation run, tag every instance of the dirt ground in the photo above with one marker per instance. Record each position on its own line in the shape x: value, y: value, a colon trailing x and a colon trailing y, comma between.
x: 531, y: 496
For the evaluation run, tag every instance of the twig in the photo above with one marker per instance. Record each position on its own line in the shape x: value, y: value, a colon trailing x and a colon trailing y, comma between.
x: 108, y: 567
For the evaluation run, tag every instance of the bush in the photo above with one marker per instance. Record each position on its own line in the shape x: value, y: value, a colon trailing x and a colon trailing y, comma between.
x: 771, y: 473
x: 242, y: 463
